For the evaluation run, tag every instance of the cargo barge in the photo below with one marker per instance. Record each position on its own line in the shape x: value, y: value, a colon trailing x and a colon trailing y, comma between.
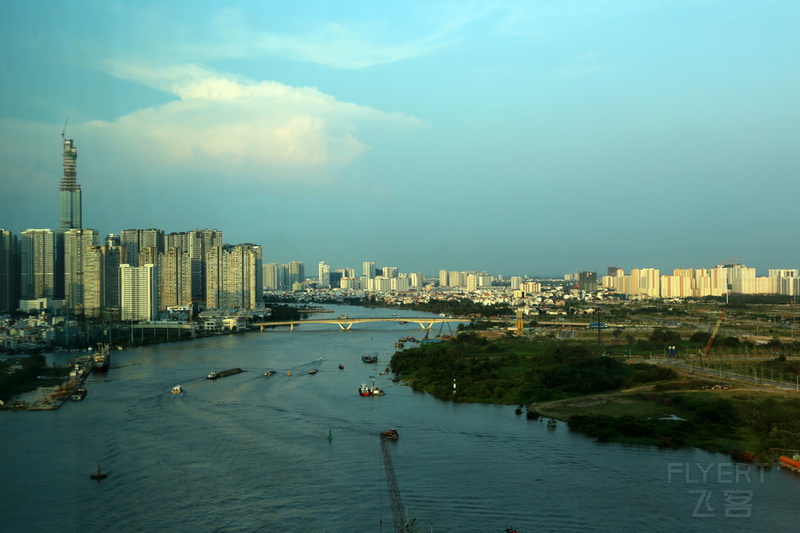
x: 229, y: 372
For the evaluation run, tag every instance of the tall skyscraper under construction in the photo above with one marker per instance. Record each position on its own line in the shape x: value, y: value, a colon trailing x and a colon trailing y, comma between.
x: 70, y: 209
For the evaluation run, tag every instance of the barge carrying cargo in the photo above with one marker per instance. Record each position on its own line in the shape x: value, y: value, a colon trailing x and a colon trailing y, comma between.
x: 229, y: 372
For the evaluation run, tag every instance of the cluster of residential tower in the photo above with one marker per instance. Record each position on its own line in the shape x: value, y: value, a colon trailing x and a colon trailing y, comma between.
x: 139, y: 274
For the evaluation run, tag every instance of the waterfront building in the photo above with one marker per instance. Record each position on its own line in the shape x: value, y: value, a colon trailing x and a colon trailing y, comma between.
x: 138, y: 292
x: 37, y: 264
x: 9, y: 271
x: 197, y: 243
x: 101, y: 281
x: 77, y: 243
x: 233, y: 277
x: 174, y: 278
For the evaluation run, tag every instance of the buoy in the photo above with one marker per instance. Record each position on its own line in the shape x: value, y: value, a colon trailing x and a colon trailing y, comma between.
x: 289, y: 373
x: 330, y: 436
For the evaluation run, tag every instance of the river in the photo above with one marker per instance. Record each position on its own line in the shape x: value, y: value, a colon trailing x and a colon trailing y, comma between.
x: 252, y: 453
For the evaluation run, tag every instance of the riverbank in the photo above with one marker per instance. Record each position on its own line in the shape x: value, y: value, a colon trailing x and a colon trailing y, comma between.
x: 747, y: 423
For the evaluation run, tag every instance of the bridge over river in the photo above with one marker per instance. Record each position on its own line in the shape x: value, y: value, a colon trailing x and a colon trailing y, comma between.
x: 346, y: 323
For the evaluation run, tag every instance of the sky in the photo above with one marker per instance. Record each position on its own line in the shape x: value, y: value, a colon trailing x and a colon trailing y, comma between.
x: 536, y: 137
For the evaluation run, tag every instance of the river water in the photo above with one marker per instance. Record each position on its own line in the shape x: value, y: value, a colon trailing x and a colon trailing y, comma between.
x: 252, y: 453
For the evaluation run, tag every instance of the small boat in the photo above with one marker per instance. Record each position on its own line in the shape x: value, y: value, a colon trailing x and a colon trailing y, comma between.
x: 369, y: 358
x: 312, y: 371
x: 269, y: 372
x: 321, y: 359
x: 341, y: 366
x: 363, y: 390
x: 99, y: 475
x: 390, y: 434
x: 78, y: 395
x: 177, y: 389
x: 212, y: 375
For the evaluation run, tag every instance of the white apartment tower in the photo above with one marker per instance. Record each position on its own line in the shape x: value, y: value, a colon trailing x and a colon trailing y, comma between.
x: 138, y: 292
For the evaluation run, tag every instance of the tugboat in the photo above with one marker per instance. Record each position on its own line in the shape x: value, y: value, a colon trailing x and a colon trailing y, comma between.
x: 269, y: 372
x: 212, y: 375
x: 312, y: 371
x: 177, y: 389
x: 369, y: 358
x: 363, y: 390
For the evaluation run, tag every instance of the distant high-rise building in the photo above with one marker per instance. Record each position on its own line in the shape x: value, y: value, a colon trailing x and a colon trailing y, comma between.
x: 233, y: 277
x: 587, y: 282
x: 101, y: 281
x: 324, y: 275
x: 136, y: 241
x: 37, y: 264
x: 9, y: 271
x: 77, y: 243
x: 368, y: 269
x: 389, y: 272
x: 70, y: 211
x: 274, y: 276
x: 174, y: 278
x: 297, y: 273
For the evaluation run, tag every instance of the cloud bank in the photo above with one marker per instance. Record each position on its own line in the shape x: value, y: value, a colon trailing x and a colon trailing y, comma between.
x: 242, y: 128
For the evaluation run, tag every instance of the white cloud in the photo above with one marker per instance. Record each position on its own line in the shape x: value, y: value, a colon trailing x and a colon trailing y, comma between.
x: 226, y: 122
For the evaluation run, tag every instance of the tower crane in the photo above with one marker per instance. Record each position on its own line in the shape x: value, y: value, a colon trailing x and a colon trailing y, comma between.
x: 714, y: 333
x: 401, y: 525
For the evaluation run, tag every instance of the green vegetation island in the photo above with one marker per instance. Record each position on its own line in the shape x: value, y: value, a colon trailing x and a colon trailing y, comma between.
x: 622, y: 399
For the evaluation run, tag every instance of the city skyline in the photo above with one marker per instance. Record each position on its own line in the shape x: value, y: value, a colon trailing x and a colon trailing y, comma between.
x: 506, y: 137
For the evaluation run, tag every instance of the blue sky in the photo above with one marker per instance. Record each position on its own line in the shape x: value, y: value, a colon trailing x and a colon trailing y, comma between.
x: 530, y: 137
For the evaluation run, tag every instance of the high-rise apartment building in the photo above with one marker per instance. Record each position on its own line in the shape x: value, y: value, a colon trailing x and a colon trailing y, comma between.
x: 274, y: 276
x: 37, y: 264
x: 138, y: 292
x: 136, y: 241
x: 77, y: 243
x: 174, y: 278
x: 9, y: 271
x: 368, y: 269
x: 101, y: 281
x: 324, y: 274
x: 233, y: 277
x: 297, y: 273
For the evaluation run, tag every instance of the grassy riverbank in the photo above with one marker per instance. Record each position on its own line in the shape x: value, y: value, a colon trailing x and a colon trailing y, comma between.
x: 607, y: 398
